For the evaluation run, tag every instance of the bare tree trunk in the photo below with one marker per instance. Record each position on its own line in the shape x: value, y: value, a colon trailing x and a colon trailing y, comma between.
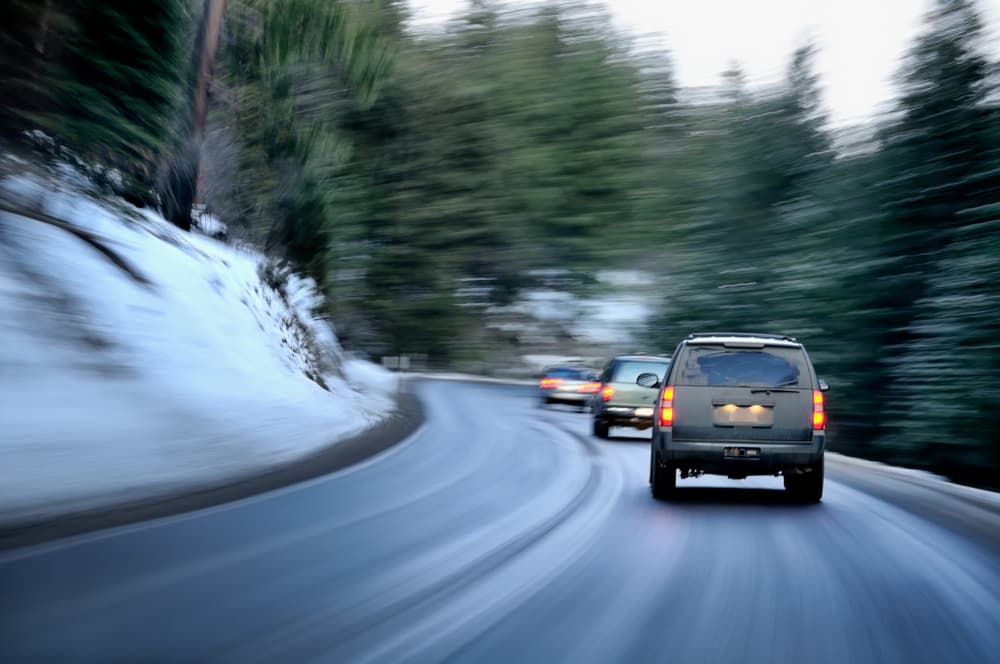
x: 182, y: 180
x: 210, y: 45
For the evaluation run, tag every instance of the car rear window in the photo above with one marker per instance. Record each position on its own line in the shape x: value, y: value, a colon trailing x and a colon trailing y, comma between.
x: 626, y: 371
x: 572, y: 374
x: 717, y: 366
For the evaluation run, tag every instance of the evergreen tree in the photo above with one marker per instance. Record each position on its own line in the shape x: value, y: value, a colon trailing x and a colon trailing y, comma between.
x: 101, y: 79
x: 746, y: 257
x: 939, y: 299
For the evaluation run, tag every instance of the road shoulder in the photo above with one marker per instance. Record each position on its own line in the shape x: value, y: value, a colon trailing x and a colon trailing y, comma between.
x: 971, y: 513
x: 407, y: 418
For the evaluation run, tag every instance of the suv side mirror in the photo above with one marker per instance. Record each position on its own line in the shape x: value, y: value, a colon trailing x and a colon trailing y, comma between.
x: 648, y: 380
x: 823, y: 385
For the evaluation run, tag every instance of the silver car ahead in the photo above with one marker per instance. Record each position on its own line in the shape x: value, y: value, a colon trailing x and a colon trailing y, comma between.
x: 573, y: 386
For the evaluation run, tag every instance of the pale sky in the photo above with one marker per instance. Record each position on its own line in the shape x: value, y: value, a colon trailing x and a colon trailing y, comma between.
x: 860, y: 41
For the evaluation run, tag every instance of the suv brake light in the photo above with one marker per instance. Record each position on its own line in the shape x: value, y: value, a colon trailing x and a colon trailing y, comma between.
x: 550, y: 383
x: 589, y: 388
x: 819, y: 415
x: 667, y: 406
x: 607, y: 392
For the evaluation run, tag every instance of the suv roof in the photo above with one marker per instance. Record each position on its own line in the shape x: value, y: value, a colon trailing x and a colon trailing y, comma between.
x: 642, y: 357
x: 738, y: 337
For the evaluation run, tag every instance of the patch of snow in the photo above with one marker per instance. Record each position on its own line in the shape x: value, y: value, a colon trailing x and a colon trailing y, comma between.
x: 113, y: 389
x: 613, y: 318
x: 623, y: 278
x: 208, y: 223
x: 548, y: 305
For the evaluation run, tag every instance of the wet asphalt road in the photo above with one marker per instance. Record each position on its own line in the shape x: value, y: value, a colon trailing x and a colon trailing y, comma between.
x: 501, y: 532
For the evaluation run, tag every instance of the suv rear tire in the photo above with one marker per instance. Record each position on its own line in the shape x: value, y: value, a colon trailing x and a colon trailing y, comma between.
x: 808, y: 487
x: 662, y: 479
x: 601, y: 429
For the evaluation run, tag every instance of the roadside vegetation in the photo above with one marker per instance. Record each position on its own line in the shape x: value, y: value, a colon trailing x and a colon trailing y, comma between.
x: 423, y: 180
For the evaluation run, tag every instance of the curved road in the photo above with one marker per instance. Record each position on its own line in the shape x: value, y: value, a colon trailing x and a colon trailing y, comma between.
x: 503, y: 532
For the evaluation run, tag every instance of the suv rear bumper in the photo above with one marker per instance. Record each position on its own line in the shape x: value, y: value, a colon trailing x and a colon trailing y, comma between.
x: 709, y: 456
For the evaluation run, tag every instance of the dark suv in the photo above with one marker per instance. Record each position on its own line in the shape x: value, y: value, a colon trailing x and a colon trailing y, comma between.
x: 739, y: 404
x: 620, y: 401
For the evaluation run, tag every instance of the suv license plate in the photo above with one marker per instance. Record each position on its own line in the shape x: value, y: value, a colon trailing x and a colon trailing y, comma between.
x: 742, y: 452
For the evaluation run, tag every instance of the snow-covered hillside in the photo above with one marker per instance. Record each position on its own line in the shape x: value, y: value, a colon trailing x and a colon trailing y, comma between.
x: 141, y: 358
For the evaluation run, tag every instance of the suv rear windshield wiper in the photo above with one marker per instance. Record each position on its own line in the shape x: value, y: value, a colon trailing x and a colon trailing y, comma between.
x: 755, y: 390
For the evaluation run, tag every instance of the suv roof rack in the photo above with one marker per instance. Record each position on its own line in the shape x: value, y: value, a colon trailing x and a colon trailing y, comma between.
x: 783, y: 337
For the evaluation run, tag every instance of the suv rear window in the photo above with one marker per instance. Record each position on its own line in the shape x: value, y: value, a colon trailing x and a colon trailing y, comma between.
x: 626, y: 371
x: 718, y: 366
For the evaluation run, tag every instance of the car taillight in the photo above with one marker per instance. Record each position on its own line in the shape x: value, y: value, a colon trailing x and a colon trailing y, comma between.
x: 819, y: 415
x: 550, y: 383
x: 589, y: 388
x: 667, y: 407
x: 607, y: 392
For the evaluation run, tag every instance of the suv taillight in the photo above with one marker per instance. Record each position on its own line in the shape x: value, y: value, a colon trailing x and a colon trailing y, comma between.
x: 607, y: 392
x: 819, y: 415
x: 667, y: 406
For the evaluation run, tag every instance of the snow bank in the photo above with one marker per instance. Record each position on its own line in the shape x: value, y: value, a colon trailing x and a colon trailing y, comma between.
x: 167, y: 361
x: 362, y: 373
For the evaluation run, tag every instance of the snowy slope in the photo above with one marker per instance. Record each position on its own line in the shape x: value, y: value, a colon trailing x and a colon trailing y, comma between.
x: 112, y: 388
